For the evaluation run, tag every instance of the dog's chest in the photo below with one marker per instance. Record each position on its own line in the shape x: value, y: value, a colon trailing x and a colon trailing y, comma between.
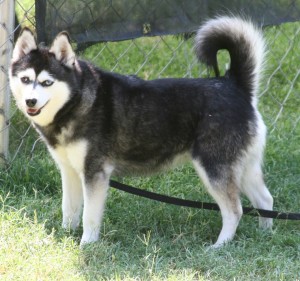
x: 66, y: 134
x: 71, y: 155
x: 69, y: 151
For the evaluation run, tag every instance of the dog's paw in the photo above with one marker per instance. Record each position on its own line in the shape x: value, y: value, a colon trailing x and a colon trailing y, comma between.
x: 89, y: 237
x: 70, y: 224
x: 84, y: 244
x: 217, y: 245
x: 265, y: 223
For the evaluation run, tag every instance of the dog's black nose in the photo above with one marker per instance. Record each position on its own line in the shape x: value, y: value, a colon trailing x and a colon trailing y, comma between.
x: 31, y: 102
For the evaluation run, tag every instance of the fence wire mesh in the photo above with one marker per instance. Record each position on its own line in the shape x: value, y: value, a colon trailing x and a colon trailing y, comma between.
x: 6, y: 41
x: 166, y: 56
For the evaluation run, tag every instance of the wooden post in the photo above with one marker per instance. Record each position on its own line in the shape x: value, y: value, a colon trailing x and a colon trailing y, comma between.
x: 6, y: 46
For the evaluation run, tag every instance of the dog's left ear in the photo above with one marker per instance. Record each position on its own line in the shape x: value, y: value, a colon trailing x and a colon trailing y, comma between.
x: 62, y: 50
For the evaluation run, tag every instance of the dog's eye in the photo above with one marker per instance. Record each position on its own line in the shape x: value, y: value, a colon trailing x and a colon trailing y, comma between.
x: 25, y: 80
x: 47, y: 83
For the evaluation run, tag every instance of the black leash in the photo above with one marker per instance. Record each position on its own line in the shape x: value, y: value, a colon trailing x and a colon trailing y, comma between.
x: 201, y: 205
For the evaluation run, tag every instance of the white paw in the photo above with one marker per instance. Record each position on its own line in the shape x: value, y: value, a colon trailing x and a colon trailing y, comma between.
x: 265, y: 223
x: 219, y: 245
x: 89, y: 237
x: 70, y: 224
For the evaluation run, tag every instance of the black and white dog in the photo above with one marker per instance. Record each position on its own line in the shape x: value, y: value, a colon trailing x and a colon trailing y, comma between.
x: 96, y: 123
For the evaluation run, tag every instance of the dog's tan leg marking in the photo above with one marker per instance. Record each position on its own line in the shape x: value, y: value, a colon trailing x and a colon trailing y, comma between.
x: 227, y: 195
x: 229, y: 202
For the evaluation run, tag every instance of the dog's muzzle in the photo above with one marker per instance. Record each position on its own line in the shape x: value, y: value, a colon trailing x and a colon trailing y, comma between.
x: 31, y: 110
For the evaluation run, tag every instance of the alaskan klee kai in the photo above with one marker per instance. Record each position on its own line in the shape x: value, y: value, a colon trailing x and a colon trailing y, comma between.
x: 97, y: 123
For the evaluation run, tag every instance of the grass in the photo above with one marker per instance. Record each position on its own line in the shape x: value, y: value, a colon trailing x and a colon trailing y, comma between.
x: 142, y: 239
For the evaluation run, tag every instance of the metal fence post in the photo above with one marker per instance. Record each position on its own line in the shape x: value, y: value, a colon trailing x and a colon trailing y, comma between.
x: 6, y: 44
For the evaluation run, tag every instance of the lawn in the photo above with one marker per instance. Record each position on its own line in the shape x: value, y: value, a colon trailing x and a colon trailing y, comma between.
x: 146, y: 240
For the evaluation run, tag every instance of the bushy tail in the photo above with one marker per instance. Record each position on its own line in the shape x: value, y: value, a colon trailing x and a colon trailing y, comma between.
x: 244, y: 43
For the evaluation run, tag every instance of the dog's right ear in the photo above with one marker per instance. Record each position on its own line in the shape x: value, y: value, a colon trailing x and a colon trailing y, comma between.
x: 24, y: 45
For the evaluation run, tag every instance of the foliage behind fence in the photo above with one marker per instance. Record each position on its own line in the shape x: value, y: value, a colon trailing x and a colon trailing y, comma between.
x: 280, y: 90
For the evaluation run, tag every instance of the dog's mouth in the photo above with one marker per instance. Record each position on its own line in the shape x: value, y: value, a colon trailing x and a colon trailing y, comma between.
x: 35, y: 111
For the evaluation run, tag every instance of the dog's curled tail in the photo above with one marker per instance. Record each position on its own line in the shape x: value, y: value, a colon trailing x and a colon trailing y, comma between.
x: 244, y: 43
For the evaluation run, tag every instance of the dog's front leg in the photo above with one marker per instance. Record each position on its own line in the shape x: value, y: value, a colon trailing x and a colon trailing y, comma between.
x: 72, y: 198
x: 95, y: 192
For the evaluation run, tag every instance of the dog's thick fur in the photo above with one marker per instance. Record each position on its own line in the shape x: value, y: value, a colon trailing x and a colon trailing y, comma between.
x: 96, y: 123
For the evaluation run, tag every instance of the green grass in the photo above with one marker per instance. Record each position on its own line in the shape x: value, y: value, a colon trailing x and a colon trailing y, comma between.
x: 146, y: 240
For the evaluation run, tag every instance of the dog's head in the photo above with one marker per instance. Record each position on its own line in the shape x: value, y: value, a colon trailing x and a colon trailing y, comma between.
x: 41, y: 79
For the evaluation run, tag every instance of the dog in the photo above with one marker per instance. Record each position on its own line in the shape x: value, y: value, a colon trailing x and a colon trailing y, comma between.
x: 97, y: 123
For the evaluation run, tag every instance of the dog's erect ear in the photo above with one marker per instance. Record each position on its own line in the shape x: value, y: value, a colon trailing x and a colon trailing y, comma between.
x: 62, y: 49
x: 24, y: 45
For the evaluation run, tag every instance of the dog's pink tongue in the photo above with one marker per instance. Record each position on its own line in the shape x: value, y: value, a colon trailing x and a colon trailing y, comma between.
x: 32, y: 110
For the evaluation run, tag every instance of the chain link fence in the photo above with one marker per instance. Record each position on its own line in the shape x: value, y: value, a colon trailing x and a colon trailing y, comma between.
x: 280, y: 89
x: 6, y: 42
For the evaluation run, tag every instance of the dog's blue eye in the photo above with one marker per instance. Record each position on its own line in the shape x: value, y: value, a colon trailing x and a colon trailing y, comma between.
x: 47, y: 83
x: 25, y: 80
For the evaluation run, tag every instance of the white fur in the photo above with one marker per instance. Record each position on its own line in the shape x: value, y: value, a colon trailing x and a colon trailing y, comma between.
x: 43, y: 76
x: 95, y: 194
x: 72, y: 199
x: 72, y: 154
x: 53, y: 97
x: 70, y: 159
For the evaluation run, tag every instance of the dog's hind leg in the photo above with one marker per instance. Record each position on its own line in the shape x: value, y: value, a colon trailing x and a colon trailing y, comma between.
x: 253, y: 186
x: 227, y: 195
x: 252, y: 181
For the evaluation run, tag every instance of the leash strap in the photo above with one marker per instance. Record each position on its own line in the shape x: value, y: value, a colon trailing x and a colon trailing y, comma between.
x: 200, y: 205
